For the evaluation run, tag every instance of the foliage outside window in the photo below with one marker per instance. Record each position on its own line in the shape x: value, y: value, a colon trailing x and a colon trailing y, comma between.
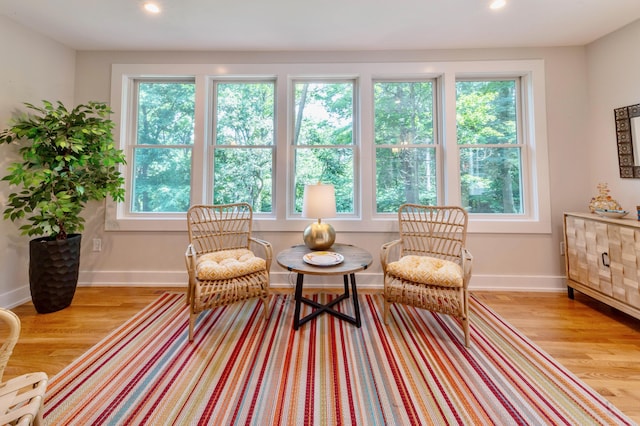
x: 405, y: 144
x: 161, y: 172
x: 490, y: 150
x: 244, y: 141
x: 384, y: 134
x: 323, y: 139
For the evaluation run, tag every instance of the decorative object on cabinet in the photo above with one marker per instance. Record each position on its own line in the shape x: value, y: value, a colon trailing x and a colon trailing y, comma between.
x: 603, y: 200
x: 628, y: 138
x: 614, y: 214
x: 602, y: 260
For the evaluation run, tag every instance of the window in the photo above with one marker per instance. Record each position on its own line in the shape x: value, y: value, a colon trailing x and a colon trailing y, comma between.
x: 460, y: 133
x: 404, y: 128
x: 323, y: 139
x: 490, y: 146
x: 244, y: 142
x: 162, y: 147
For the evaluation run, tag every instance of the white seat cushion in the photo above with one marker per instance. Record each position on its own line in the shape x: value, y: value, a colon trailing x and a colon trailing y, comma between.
x: 226, y: 264
x: 427, y: 270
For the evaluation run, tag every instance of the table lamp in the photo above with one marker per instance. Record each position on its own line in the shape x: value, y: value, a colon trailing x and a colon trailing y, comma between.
x: 319, y: 202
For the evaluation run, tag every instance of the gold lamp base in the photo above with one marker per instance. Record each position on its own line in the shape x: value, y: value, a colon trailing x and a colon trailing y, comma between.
x: 319, y: 236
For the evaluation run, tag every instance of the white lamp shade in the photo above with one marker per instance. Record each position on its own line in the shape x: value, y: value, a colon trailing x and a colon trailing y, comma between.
x: 319, y: 201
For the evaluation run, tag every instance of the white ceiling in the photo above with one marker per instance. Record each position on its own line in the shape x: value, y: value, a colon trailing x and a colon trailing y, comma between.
x: 324, y: 25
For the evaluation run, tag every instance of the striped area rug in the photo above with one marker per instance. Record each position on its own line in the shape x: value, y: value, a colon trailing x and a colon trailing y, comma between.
x: 243, y: 370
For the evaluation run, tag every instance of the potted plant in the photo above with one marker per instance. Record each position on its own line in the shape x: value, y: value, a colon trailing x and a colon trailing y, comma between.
x: 68, y: 159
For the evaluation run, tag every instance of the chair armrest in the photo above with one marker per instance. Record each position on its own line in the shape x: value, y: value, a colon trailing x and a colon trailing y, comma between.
x: 21, y: 399
x: 266, y: 248
x: 190, y: 259
x: 385, y: 251
x: 467, y: 262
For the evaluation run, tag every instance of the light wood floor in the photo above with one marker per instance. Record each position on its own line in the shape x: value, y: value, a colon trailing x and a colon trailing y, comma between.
x: 598, y: 344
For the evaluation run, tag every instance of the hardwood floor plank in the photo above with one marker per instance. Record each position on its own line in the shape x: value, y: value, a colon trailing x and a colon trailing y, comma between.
x: 597, y: 343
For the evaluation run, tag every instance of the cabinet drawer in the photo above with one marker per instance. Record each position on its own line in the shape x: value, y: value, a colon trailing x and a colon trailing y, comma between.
x: 624, y: 251
x: 587, y: 253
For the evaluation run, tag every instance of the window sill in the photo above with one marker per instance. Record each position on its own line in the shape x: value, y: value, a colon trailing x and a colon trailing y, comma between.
x: 476, y: 226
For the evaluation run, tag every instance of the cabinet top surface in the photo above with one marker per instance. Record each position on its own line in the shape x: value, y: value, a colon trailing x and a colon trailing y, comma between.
x: 629, y: 220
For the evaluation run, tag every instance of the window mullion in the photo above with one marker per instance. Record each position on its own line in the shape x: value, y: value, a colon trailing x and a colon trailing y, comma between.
x: 366, y: 160
x: 449, y: 151
x: 281, y: 153
x: 199, y: 157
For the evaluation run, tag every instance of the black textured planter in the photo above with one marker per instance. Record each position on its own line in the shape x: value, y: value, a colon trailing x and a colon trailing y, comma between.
x: 53, y: 272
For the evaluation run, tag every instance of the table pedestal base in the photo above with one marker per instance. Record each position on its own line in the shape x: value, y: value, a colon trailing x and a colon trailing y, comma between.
x: 328, y: 308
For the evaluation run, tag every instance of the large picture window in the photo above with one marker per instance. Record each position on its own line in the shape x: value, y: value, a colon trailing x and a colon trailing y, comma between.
x: 462, y: 133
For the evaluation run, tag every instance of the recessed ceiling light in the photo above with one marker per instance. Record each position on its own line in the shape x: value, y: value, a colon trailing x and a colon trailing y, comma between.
x: 151, y: 7
x: 498, y: 4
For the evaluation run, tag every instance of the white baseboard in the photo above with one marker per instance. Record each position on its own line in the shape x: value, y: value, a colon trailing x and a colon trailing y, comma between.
x: 132, y: 279
x: 529, y: 283
x: 373, y: 281
x: 285, y: 280
x: 15, y: 297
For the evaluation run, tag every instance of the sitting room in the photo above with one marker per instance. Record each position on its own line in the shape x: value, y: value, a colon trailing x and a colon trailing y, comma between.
x: 362, y: 213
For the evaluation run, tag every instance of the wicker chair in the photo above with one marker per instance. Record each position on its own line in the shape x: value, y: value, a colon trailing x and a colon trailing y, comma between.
x: 432, y: 267
x: 220, y: 261
x: 21, y: 398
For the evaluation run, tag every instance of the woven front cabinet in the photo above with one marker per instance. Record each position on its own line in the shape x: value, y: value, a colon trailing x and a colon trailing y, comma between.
x: 603, y: 259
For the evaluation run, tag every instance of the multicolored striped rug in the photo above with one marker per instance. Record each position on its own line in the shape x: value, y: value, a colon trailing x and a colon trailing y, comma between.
x: 243, y: 370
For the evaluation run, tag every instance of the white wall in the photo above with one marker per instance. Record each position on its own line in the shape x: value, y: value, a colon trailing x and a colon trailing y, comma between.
x: 614, y: 82
x: 33, y: 68
x: 523, y: 261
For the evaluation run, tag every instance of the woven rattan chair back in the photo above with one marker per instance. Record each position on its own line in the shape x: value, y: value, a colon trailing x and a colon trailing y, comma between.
x: 219, y: 227
x: 436, y: 231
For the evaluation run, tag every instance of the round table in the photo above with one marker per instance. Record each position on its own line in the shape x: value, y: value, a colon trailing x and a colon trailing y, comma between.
x: 355, y: 260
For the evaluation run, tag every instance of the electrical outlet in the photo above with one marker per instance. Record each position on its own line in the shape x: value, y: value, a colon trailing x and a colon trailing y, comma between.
x: 562, y: 248
x: 97, y: 244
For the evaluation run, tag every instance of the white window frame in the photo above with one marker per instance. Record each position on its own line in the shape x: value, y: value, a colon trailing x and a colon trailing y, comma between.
x: 537, y: 215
